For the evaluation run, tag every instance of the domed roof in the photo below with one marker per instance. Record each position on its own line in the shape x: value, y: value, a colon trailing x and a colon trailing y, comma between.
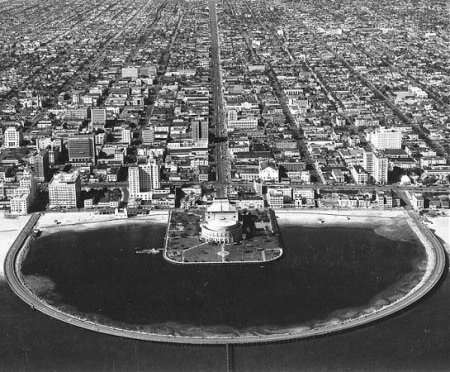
x: 220, y: 224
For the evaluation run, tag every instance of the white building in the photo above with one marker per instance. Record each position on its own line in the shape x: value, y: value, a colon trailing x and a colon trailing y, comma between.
x: 64, y: 190
x: 13, y: 137
x: 133, y: 181
x: 256, y: 202
x: 24, y: 195
x: 221, y: 224
x: 303, y: 197
x: 148, y: 135
x: 98, y: 116
x: 126, y: 135
x: 275, y: 198
x: 243, y: 124
x: 385, y: 138
x: 143, y: 179
x: 376, y: 165
x: 234, y: 122
x: 131, y: 72
x: 268, y: 171
x: 359, y: 175
x: 19, y: 204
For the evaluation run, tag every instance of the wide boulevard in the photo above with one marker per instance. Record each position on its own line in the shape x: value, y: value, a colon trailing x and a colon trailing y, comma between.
x: 219, y: 122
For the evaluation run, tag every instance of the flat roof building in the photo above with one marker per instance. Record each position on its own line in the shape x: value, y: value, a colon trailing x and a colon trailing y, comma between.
x: 65, y: 190
x: 81, y: 149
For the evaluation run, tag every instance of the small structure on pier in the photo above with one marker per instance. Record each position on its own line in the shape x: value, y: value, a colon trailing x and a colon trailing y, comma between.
x: 221, y: 223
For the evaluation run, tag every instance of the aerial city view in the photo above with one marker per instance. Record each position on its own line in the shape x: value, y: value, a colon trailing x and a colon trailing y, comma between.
x: 224, y: 185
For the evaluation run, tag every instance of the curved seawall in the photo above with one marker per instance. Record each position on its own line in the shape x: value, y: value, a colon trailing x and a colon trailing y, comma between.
x: 435, y: 267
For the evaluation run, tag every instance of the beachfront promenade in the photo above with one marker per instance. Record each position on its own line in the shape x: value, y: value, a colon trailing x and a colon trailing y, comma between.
x: 436, y: 265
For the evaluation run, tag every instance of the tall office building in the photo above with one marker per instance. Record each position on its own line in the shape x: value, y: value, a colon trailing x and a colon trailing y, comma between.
x: 148, y: 135
x: 41, y: 165
x: 13, y: 137
x: 133, y: 181
x: 143, y: 178
x: 232, y: 115
x: 385, y: 138
x: 24, y: 195
x: 149, y: 177
x: 376, y: 164
x: 199, y: 129
x: 98, y: 116
x: 381, y: 171
x: 126, y: 135
x: 64, y: 190
x: 81, y: 149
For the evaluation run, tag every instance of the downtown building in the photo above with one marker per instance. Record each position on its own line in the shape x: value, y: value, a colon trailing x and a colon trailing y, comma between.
x: 385, y: 138
x: 143, y: 179
x: 199, y: 129
x: 234, y: 122
x: 13, y: 137
x: 64, y: 190
x: 81, y: 148
x: 148, y: 135
x: 41, y: 165
x: 376, y: 164
x: 98, y: 118
x: 126, y: 135
x: 24, y: 195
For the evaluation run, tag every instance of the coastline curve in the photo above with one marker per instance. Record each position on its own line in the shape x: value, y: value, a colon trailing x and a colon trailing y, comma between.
x: 436, y: 257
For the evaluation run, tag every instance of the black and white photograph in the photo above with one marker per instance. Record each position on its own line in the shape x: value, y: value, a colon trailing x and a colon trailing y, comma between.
x: 224, y: 185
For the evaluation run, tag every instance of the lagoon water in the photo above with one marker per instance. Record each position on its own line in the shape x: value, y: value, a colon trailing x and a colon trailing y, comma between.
x: 414, y: 339
x: 324, y: 271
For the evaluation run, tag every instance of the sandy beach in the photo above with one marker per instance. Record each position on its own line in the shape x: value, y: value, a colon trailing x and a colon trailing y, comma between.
x: 388, y: 223
x: 9, y: 230
x: 440, y: 225
x: 57, y: 221
x: 314, y: 217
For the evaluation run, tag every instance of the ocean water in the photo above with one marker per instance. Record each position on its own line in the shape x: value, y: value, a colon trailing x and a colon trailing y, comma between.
x: 414, y: 339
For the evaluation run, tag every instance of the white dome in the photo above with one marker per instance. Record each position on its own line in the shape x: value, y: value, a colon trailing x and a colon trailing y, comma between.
x: 222, y: 224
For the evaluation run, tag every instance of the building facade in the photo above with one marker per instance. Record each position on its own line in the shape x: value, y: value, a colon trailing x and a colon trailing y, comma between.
x: 221, y: 223
x: 200, y: 129
x: 376, y: 165
x: 385, y: 138
x: 143, y: 178
x: 13, y: 137
x: 41, y: 165
x: 98, y: 116
x: 65, y: 190
x: 81, y: 149
x: 24, y: 195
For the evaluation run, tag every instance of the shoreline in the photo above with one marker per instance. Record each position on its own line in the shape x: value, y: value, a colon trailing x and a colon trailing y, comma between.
x: 374, y: 311
x: 10, y: 228
x: 440, y: 226
x: 339, y: 218
x: 52, y: 222
x: 387, y: 223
